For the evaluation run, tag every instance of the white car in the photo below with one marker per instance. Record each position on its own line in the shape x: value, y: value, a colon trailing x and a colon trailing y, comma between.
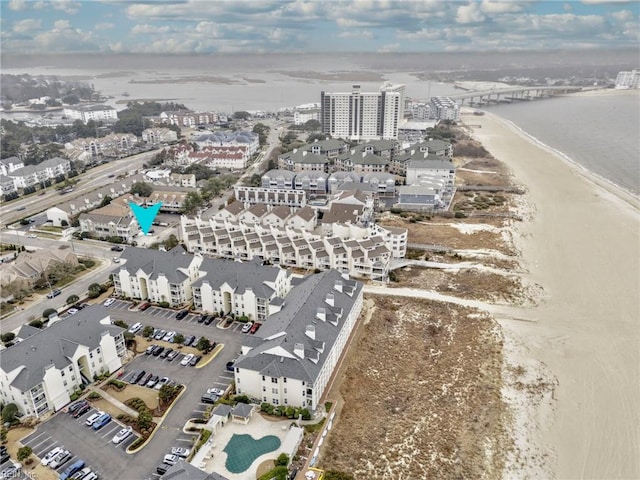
x: 59, y: 459
x: 72, y: 311
x: 185, y: 361
x: 169, y: 336
x: 109, y: 301
x: 122, y: 435
x: 32, y: 235
x: 49, y: 456
x: 170, y: 459
x: 216, y: 391
x: 93, y: 418
x: 247, y: 327
x: 163, y: 381
x: 180, y: 452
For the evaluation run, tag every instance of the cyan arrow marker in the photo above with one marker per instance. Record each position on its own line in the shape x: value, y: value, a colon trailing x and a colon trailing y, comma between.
x: 145, y: 216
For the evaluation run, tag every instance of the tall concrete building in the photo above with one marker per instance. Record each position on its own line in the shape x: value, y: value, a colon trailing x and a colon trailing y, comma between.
x: 363, y: 115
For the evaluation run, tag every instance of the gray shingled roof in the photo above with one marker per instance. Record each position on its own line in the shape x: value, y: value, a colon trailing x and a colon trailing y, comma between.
x: 431, y: 164
x: 239, y: 276
x: 185, y: 471
x: 155, y: 262
x: 242, y: 410
x: 52, y: 345
x: 325, y: 145
x: 287, y: 328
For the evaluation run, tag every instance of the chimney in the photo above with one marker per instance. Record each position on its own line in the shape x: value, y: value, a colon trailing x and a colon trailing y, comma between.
x: 310, y: 332
x: 329, y: 299
x: 298, y: 350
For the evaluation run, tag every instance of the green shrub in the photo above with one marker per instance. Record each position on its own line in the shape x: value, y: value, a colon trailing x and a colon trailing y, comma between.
x: 241, y: 399
x: 94, y: 395
x: 48, y: 312
x: 7, y: 337
x: 71, y: 299
x: 9, y: 413
x: 24, y: 453
x: 460, y: 215
x: 282, y: 460
x: 36, y: 323
x: 278, y: 473
x: 164, y: 305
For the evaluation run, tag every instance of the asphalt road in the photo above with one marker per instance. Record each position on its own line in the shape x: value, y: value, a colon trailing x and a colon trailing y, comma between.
x: 88, y: 181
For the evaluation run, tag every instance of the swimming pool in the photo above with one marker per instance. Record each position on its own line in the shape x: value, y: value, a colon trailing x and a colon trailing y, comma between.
x: 242, y: 450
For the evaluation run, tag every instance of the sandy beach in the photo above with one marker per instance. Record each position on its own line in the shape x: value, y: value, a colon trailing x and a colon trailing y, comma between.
x: 581, y: 243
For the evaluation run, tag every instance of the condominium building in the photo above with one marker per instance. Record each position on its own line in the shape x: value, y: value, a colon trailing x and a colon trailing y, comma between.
x: 10, y: 164
x: 443, y: 108
x: 113, y: 220
x: 270, y: 195
x: 229, y: 139
x: 358, y: 115
x: 292, y: 357
x: 159, y: 135
x: 111, y: 145
x: 628, y: 79
x: 31, y: 175
x: 45, y: 367
x: 85, y: 113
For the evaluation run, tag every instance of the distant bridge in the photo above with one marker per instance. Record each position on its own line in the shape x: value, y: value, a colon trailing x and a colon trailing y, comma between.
x: 512, y: 94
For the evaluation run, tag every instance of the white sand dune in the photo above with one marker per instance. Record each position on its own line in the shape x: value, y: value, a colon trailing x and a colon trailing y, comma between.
x: 582, y: 245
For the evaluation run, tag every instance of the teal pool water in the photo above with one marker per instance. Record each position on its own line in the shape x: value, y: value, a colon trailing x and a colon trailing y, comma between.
x: 242, y: 450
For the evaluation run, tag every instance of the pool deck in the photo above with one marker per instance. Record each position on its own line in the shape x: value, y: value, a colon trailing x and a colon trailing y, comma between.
x: 257, y: 428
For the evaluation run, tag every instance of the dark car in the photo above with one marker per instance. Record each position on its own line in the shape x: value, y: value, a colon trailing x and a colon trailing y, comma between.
x: 181, y: 314
x: 81, y: 411
x: 194, y: 361
x: 202, y: 318
x: 158, y: 350
x: 162, y: 468
x: 189, y: 340
x: 229, y: 366
x: 144, y: 306
x: 139, y: 376
x: 210, y: 398
x: 144, y: 380
x: 209, y: 320
x: 166, y: 352
x: 117, y: 248
x: 171, y: 357
x: 75, y: 406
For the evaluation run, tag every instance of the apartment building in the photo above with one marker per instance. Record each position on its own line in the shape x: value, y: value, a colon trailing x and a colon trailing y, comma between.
x: 34, y: 174
x: 113, y: 220
x: 187, y: 118
x: 157, y: 276
x: 361, y: 162
x: 271, y: 196
x: 98, y: 113
x: 111, y: 145
x: 628, y: 79
x: 358, y: 115
x: 443, y: 108
x: 292, y: 357
x: 45, y: 367
x: 243, y: 288
x: 157, y: 135
x: 229, y: 139
x: 10, y: 164
x: 303, y: 160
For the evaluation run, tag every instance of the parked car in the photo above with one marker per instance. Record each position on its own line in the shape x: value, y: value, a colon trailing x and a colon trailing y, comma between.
x: 138, y: 377
x: 122, y: 435
x: 93, y: 417
x: 169, y: 336
x: 166, y: 352
x: 254, y: 328
x: 181, y: 314
x: 135, y: 327
x: 51, y: 455
x: 209, y: 398
x: 117, y: 248
x: 216, y: 391
x: 144, y: 306
x: 171, y: 357
x: 81, y: 474
x: 185, y: 361
x: 160, y: 334
x: 109, y: 301
x: 162, y: 382
x: 101, y: 422
x: 72, y: 311
x: 247, y: 326
x: 71, y: 469
x: 162, y: 468
x: 143, y: 381
x: 158, y: 350
x: 180, y: 452
x: 189, y: 340
x: 76, y: 405
x: 12, y: 471
x: 54, y: 293
x: 209, y: 320
x: 152, y: 382
x: 131, y: 377
x: 229, y: 366
x: 81, y: 411
x: 150, y: 349
x: 194, y: 361
x: 170, y: 459
x: 59, y: 459
x: 202, y: 318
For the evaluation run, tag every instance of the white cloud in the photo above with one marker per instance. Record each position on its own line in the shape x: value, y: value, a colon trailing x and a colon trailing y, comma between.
x: 390, y: 47
x: 362, y: 34
x: 68, y: 40
x: 469, y: 14
x: 62, y: 24
x: 492, y: 6
x: 17, y: 5
x: 623, y: 15
x: 104, y: 26
x: 150, y: 29
x: 67, y: 6
x: 27, y: 25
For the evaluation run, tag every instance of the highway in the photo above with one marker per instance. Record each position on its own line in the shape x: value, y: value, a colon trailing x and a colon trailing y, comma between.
x: 88, y: 181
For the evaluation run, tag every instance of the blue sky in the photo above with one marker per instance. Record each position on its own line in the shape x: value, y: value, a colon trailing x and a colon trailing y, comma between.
x: 206, y: 26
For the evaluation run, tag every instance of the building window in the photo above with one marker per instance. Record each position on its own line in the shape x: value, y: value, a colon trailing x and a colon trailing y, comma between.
x: 264, y: 389
x: 285, y: 401
x: 62, y: 373
x: 285, y: 391
x: 274, y: 380
x: 264, y: 378
x: 264, y: 399
x: 90, y: 354
x: 284, y: 379
x: 274, y: 390
x: 64, y: 383
x: 275, y: 401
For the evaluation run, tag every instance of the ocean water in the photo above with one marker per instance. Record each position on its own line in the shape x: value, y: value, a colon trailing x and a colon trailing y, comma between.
x: 600, y: 132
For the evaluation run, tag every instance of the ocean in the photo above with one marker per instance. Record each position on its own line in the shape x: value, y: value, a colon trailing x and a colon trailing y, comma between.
x: 600, y: 133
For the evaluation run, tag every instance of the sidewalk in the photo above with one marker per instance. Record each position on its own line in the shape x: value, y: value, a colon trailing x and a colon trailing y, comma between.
x: 114, y: 401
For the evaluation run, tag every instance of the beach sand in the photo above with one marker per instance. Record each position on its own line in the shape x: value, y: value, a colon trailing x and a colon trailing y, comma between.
x: 582, y: 244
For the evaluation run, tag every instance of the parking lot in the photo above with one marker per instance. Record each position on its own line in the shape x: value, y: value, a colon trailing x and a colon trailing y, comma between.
x: 94, y: 447
x: 196, y: 380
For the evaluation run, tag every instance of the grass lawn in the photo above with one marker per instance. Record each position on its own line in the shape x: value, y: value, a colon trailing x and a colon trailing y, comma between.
x: 148, y: 395
x: 105, y: 406
x: 35, y: 470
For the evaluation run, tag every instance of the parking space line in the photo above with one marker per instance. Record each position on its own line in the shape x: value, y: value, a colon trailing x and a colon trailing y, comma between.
x: 36, y: 445
x: 39, y: 435
x: 184, y: 440
x: 39, y: 451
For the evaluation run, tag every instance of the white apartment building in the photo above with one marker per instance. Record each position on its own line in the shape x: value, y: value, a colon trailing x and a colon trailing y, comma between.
x: 443, y: 108
x: 85, y: 113
x: 157, y: 276
x: 300, y: 117
x: 360, y: 115
x: 429, y: 170
x: 101, y: 223
x: 628, y: 79
x: 290, y: 360
x: 243, y: 288
x: 159, y: 135
x: 229, y: 139
x: 270, y: 196
x: 34, y: 174
x: 11, y: 164
x: 41, y: 371
x: 112, y: 145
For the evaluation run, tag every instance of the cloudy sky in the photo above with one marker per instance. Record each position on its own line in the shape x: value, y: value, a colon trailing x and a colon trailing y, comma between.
x: 204, y: 26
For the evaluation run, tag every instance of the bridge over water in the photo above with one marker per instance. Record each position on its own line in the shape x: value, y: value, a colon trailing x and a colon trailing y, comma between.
x: 511, y: 94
